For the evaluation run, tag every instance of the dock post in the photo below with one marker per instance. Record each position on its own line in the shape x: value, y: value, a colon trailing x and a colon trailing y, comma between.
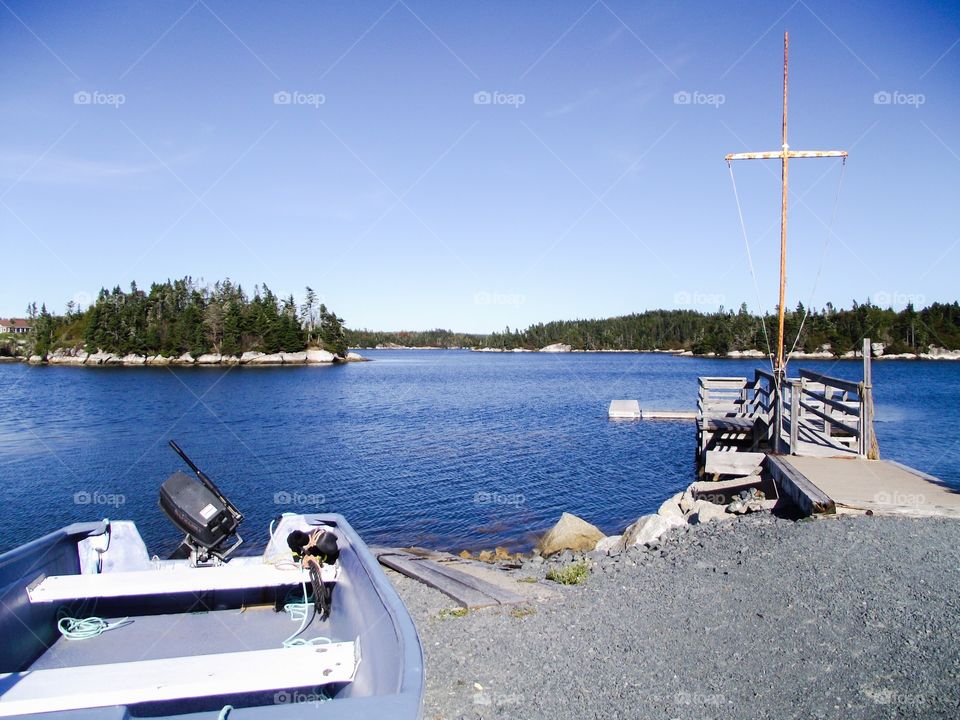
x: 795, y: 391
x: 866, y: 404
x: 777, y: 397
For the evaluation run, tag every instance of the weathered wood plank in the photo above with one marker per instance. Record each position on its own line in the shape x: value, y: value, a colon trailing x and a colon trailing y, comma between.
x: 732, y: 463
x: 466, y: 589
x: 830, y: 419
x: 732, y: 424
x: 796, y: 486
x: 429, y: 575
x: 831, y: 381
x: 850, y: 407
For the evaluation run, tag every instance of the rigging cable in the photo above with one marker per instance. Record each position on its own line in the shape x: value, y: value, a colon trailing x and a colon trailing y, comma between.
x: 753, y: 274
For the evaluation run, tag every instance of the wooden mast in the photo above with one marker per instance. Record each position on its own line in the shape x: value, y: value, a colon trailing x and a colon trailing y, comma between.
x: 784, y: 155
x: 785, y: 159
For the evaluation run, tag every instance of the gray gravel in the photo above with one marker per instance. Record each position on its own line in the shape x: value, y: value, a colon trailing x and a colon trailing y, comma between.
x: 845, y: 617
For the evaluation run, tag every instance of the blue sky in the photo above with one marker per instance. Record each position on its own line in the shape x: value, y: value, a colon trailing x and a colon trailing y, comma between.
x: 477, y: 165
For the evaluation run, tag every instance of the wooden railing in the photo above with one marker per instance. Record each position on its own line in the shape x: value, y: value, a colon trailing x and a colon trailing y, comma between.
x: 811, y: 414
x: 823, y: 410
x: 816, y: 410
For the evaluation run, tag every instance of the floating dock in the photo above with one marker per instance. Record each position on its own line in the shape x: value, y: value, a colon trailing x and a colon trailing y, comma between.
x: 631, y: 410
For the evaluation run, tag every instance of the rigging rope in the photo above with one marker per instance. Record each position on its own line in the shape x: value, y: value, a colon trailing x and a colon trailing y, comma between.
x: 823, y: 254
x: 753, y: 274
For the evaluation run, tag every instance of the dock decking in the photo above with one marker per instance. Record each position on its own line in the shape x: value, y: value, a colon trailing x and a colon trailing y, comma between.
x: 881, y: 486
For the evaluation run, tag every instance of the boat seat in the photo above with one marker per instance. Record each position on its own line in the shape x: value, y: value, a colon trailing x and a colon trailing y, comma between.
x: 166, y: 580
x: 91, y: 686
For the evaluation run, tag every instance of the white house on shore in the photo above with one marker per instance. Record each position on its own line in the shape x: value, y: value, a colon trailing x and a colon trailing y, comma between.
x: 17, y: 326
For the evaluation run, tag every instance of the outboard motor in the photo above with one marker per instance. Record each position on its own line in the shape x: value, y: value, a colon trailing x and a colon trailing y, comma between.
x: 198, y: 508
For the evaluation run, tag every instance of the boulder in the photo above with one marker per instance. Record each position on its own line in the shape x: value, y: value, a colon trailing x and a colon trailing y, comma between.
x: 670, y: 509
x: 98, y: 358
x: 185, y: 359
x: 35, y: 359
x: 704, y: 512
x: 571, y: 533
x: 646, y: 529
x: 158, y: 360
x: 209, y: 359
x: 609, y: 545
x: 133, y: 359
x: 686, y: 502
x: 250, y: 356
x: 63, y: 357
x: 272, y: 359
x: 229, y: 360
x: 297, y: 358
x: 355, y: 357
x: 556, y: 348
x: 316, y: 357
x: 939, y: 353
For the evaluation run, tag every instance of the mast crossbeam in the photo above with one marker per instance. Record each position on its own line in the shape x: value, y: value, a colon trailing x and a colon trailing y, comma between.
x: 778, y: 155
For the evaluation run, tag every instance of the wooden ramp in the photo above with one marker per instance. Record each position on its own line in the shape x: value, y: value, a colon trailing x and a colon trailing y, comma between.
x: 882, y: 486
x: 465, y: 588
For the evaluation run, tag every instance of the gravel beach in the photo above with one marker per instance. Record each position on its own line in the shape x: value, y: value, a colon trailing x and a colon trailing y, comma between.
x: 758, y: 617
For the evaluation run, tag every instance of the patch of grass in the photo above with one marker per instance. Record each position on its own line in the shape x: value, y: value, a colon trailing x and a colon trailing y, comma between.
x: 527, y: 579
x: 522, y: 612
x: 569, y: 574
x: 454, y: 613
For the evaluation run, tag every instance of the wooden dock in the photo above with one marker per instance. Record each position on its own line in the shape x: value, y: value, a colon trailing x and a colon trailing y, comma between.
x: 813, y: 436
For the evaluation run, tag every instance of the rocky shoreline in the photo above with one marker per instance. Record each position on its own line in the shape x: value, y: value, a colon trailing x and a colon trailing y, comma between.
x: 80, y: 358
x: 878, y: 352
x: 761, y: 616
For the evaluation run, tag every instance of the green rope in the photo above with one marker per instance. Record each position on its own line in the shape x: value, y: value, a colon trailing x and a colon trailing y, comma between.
x: 86, y: 628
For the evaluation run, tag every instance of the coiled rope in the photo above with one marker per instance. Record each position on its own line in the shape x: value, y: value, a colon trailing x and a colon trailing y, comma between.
x: 86, y: 628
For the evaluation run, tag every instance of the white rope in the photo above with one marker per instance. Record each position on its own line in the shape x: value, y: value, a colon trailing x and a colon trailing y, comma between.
x: 753, y: 274
x: 823, y: 255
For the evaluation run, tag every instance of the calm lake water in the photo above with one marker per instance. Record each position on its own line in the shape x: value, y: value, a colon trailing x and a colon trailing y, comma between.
x: 448, y: 449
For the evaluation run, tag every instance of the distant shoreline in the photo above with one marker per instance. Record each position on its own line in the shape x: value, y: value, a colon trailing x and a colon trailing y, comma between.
x: 73, y: 358
x: 938, y: 354
x: 79, y: 358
